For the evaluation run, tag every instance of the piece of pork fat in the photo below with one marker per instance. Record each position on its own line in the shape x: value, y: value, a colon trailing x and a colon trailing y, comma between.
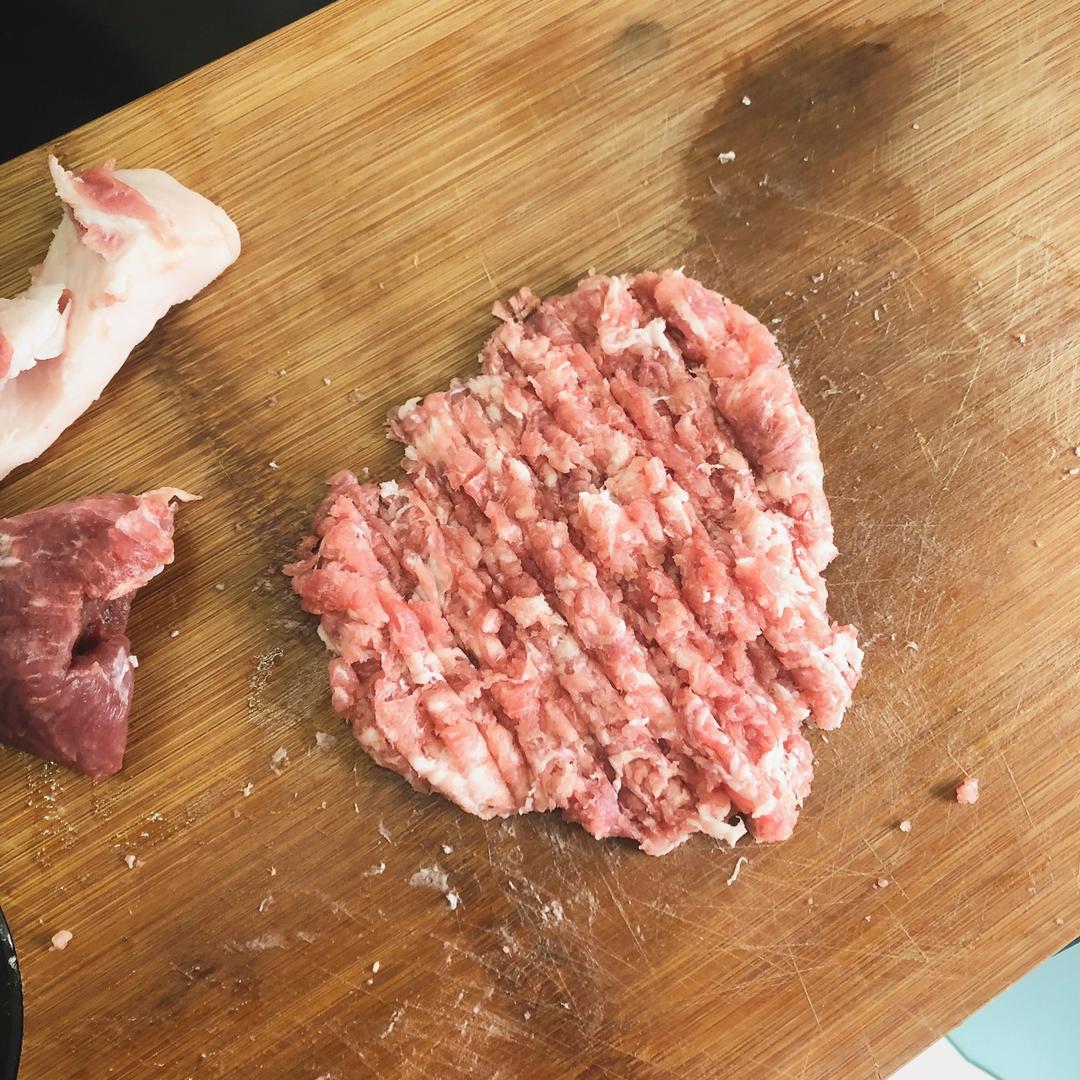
x: 68, y: 574
x: 131, y: 244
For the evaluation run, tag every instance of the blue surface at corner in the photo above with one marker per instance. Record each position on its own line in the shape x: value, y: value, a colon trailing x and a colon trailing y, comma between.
x: 1031, y: 1031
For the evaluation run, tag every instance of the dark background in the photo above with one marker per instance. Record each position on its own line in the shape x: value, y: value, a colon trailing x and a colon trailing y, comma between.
x: 70, y: 62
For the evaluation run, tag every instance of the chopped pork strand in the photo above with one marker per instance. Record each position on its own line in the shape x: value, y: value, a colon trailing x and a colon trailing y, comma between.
x: 131, y: 244
x: 596, y: 587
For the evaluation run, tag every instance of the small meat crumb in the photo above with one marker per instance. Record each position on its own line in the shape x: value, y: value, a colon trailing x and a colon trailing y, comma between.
x: 726, y: 157
x: 220, y: 586
x: 273, y: 871
x: 375, y: 968
x: 905, y: 825
x: 745, y: 101
x: 174, y: 633
x: 384, y: 832
x: 967, y: 792
x: 130, y: 860
x: 326, y: 380
x: 272, y: 465
x: 1021, y: 339
x: 817, y: 279
x: 324, y: 740
x: 882, y: 883
x: 247, y: 789
x: 447, y: 849
x: 279, y: 759
x: 877, y: 314
x: 453, y: 900
x: 430, y: 877
x: 61, y: 939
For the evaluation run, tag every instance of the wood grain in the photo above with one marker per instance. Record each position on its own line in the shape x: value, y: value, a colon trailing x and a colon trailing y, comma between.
x: 901, y: 206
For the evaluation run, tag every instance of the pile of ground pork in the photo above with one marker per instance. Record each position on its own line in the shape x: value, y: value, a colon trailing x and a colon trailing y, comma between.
x: 597, y: 587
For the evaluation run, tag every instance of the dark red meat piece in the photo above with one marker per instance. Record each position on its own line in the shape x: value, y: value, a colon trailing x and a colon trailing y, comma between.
x: 68, y: 574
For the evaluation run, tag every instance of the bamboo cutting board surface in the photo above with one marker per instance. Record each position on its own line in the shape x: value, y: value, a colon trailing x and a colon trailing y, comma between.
x: 903, y: 207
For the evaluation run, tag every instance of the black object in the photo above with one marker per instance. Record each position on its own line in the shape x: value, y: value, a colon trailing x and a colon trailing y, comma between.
x: 69, y: 62
x: 11, y: 1006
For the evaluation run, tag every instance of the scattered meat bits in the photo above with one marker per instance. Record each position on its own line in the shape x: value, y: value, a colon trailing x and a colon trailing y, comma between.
x: 597, y: 588
x: 61, y: 939
x: 905, y: 826
x: 967, y: 792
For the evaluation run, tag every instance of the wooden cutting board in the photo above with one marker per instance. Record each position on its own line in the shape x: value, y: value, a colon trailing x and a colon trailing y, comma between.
x: 903, y: 210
